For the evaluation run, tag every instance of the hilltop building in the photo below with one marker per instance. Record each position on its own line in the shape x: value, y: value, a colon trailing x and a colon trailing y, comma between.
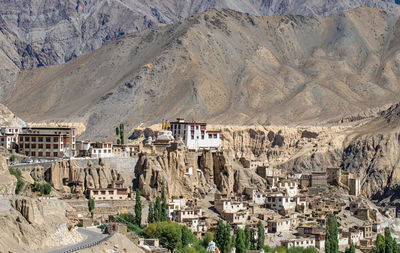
x: 195, y: 135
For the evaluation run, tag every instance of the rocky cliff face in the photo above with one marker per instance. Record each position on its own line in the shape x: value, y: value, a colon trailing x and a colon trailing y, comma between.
x: 30, y: 225
x: 211, y: 172
x: 67, y: 176
x: 7, y: 181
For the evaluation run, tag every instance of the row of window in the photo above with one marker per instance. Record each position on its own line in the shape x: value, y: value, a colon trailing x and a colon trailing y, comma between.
x: 40, y: 146
x: 41, y: 154
x: 105, y: 151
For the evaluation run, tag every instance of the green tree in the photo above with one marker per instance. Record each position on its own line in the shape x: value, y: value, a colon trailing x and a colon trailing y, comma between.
x: 247, y: 237
x: 150, y: 216
x: 138, y: 209
x: 91, y: 206
x: 207, y: 238
x: 220, y: 235
x: 187, y: 236
x: 253, y: 240
x: 169, y: 234
x: 380, y: 244
x: 388, y: 241
x: 47, y: 188
x: 121, y: 133
x: 351, y: 249
x: 118, y: 141
x: 261, y: 235
x: 227, y: 238
x: 163, y: 205
x: 240, y: 241
x: 331, y: 243
x: 122, y: 137
x: 157, y: 210
x: 117, y: 131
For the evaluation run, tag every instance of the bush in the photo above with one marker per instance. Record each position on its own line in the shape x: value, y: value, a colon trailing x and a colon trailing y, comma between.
x: 47, y: 188
x: 37, y: 187
x: 20, y: 182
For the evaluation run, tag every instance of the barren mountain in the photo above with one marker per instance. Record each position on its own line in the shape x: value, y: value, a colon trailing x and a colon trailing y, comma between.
x: 224, y: 67
x: 42, y: 32
x: 8, y: 118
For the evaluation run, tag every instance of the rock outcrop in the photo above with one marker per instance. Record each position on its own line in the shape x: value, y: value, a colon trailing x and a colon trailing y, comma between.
x: 30, y: 225
x: 7, y: 181
x: 68, y: 177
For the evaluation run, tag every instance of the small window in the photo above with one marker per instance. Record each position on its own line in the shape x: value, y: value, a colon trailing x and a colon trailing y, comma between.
x: 48, y: 139
x: 48, y: 154
x: 40, y: 138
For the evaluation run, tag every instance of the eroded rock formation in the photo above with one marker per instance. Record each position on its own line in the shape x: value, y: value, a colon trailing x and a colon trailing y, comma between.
x: 67, y: 176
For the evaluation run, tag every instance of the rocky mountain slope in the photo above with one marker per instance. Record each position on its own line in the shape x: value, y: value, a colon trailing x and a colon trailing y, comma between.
x: 224, y: 66
x: 8, y: 118
x: 42, y: 32
x: 30, y: 224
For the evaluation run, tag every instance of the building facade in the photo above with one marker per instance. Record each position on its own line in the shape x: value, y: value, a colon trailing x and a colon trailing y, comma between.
x: 94, y: 149
x: 9, y: 137
x: 195, y: 135
x: 47, y: 142
x: 117, y: 191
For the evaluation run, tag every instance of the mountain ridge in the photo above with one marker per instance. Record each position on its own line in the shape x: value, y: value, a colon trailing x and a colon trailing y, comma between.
x: 224, y: 66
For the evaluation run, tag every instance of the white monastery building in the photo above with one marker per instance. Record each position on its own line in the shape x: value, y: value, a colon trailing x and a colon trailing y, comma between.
x: 195, y: 135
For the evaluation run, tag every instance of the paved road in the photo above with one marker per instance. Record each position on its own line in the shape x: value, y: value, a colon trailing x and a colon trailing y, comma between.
x: 93, y: 238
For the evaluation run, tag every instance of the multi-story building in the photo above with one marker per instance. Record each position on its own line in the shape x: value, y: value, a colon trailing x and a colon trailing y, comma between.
x: 117, y: 191
x: 174, y: 205
x: 229, y: 206
x: 195, y: 135
x: 290, y: 186
x: 303, y: 242
x: 280, y: 202
x: 124, y: 150
x: 47, y: 141
x: 9, y: 137
x: 279, y: 225
x: 94, y: 149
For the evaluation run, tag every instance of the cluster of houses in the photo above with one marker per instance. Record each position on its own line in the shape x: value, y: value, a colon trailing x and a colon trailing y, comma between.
x: 293, y: 209
x: 58, y: 142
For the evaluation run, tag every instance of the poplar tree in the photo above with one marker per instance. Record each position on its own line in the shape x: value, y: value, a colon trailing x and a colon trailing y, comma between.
x: 220, y: 235
x: 261, y: 235
x: 252, y: 239
x: 150, y: 216
x: 157, y: 210
x: 227, y: 238
x: 91, y: 206
x: 138, y: 209
x: 163, y: 205
x: 247, y: 236
x: 240, y: 241
x: 331, y: 243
